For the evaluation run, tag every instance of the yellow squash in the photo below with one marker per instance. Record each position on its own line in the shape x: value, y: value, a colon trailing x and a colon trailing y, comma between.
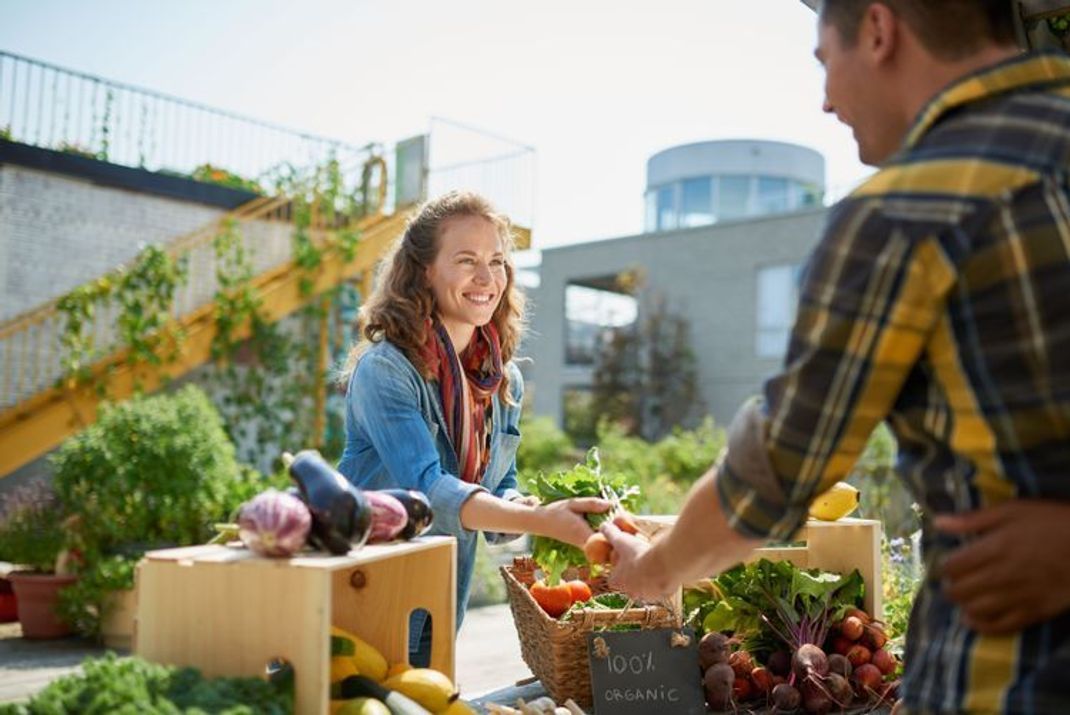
x: 836, y: 503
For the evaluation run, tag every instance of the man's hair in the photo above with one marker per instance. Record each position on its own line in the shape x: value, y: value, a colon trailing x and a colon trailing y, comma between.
x: 949, y: 29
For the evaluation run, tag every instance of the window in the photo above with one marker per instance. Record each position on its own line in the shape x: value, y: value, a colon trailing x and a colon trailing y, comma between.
x: 772, y: 195
x: 734, y: 198
x: 667, y: 208
x: 696, y: 204
x: 650, y: 219
x: 778, y: 296
x: 589, y: 314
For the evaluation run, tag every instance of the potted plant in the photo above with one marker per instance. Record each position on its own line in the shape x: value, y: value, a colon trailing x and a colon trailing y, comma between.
x: 152, y: 472
x: 32, y: 537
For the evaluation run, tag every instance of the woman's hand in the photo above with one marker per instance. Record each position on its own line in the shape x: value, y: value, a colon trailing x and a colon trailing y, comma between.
x: 563, y: 520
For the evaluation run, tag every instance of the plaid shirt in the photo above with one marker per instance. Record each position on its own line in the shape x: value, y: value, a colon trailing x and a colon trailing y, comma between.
x: 938, y: 299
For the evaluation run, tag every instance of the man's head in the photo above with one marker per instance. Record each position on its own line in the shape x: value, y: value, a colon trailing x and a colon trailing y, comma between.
x: 884, y: 59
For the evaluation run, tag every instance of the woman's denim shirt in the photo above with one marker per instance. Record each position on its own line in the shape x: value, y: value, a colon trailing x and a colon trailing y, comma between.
x: 396, y: 437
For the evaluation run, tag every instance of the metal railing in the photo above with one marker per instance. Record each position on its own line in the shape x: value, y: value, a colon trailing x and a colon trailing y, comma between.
x: 52, y: 107
x: 502, y: 169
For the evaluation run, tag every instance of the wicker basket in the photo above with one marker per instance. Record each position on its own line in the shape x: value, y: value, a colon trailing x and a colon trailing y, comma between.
x: 556, y: 651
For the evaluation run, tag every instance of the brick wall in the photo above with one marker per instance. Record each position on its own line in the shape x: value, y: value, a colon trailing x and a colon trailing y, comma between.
x: 57, y: 232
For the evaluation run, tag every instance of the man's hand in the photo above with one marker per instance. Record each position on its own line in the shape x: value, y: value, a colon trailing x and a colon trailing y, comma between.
x: 636, y: 567
x: 1015, y: 572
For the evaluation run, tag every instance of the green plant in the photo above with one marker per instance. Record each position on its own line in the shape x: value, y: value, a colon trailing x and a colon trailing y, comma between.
x: 543, y: 448
x: 1059, y: 24
x: 132, y: 685
x: 144, y: 293
x: 5, y: 134
x: 902, y: 578
x: 216, y: 175
x: 76, y: 149
x: 30, y: 527
x: 151, y: 471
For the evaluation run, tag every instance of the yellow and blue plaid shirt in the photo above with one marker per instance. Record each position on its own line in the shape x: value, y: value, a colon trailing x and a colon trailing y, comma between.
x: 938, y: 299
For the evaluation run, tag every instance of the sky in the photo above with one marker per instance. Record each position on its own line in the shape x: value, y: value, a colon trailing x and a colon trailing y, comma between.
x: 594, y: 87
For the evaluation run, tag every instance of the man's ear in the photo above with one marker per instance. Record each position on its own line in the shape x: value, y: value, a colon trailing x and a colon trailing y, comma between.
x: 879, y: 32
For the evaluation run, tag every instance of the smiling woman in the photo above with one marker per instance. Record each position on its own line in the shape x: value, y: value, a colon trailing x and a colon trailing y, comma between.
x: 433, y: 397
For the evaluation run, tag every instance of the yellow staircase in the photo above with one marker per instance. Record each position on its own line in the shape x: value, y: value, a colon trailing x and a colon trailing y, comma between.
x: 39, y: 409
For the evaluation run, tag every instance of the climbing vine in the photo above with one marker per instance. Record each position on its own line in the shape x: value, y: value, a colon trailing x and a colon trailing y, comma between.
x: 143, y: 294
x: 264, y: 379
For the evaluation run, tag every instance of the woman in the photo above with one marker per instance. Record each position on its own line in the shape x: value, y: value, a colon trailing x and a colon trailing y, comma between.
x: 433, y: 399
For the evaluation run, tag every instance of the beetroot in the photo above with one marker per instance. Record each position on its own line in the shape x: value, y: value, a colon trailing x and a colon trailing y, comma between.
x: 741, y: 663
x: 762, y: 680
x: 742, y: 689
x: 839, y: 664
x: 809, y: 661
x: 851, y: 628
x: 779, y: 662
x: 874, y: 637
x: 839, y: 689
x: 859, y: 655
x: 815, y: 699
x: 884, y: 661
x: 842, y: 644
x: 388, y: 516
x: 867, y: 679
x: 786, y: 698
x: 712, y: 649
x: 718, y: 682
x: 274, y: 524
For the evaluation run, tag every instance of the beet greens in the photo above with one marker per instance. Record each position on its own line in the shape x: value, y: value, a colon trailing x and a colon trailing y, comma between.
x: 768, y: 603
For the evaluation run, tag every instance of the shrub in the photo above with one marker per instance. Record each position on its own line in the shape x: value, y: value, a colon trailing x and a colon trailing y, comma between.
x: 151, y: 472
x: 133, y: 685
x: 543, y: 448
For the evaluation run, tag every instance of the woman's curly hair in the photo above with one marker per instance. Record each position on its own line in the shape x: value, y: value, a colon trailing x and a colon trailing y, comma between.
x: 398, y: 308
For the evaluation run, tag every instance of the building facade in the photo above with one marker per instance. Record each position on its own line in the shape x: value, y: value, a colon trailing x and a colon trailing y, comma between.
x: 733, y: 275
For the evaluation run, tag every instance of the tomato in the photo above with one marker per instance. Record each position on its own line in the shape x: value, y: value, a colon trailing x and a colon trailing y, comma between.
x: 555, y: 600
x: 580, y: 590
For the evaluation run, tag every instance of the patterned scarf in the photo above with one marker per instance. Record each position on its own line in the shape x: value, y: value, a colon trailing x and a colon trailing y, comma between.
x: 466, y: 384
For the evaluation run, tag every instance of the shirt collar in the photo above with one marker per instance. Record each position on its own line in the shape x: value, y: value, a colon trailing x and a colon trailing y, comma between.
x: 1020, y: 72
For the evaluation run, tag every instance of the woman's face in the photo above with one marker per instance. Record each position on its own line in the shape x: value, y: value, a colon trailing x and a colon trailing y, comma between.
x: 467, y: 276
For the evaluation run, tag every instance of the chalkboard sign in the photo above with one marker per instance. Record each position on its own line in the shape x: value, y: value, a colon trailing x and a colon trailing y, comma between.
x: 645, y: 672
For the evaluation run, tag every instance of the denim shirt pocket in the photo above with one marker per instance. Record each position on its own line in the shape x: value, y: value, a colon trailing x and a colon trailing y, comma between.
x: 503, y: 452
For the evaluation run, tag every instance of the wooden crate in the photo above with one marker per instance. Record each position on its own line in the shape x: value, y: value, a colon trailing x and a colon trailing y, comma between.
x: 837, y: 546
x: 229, y: 612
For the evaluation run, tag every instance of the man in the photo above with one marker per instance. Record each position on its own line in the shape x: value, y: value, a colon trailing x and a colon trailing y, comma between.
x: 939, y: 299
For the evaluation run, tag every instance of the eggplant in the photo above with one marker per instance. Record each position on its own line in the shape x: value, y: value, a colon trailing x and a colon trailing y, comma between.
x: 341, y: 515
x: 417, y: 507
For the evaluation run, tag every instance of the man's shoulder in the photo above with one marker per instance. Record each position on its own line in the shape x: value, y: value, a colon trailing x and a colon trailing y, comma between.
x: 949, y: 175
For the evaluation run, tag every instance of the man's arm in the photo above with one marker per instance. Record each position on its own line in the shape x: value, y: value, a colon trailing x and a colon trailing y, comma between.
x: 871, y: 298
x: 684, y: 554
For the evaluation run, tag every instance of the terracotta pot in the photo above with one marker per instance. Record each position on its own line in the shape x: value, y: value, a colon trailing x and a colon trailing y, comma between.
x: 8, y: 604
x: 37, y: 595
